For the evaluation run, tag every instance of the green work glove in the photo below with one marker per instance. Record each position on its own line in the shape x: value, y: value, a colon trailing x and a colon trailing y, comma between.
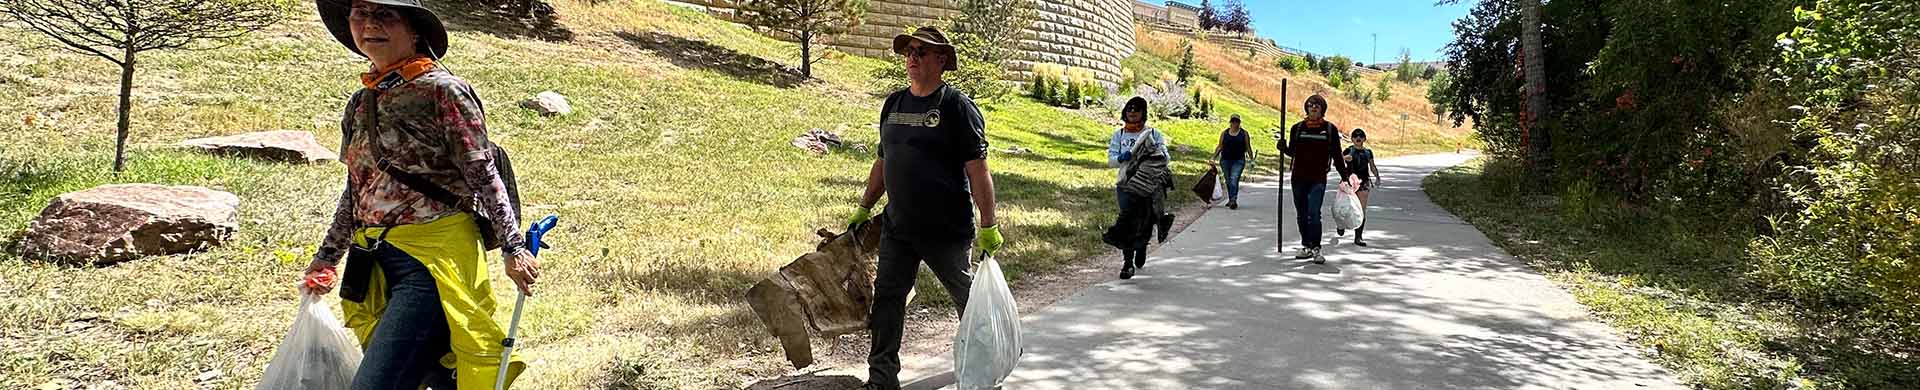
x: 989, y: 240
x: 861, y: 215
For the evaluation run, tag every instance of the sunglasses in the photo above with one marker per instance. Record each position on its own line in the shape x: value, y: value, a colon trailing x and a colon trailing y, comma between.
x: 918, y: 51
x: 375, y: 14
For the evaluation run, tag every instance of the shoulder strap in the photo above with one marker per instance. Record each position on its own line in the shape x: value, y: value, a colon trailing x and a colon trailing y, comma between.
x: 408, y: 179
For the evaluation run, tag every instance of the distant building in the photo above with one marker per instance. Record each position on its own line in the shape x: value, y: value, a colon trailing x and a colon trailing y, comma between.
x: 1171, y: 13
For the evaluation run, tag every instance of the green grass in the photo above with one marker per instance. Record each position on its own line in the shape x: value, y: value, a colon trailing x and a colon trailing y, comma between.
x: 1673, y: 285
x: 675, y: 183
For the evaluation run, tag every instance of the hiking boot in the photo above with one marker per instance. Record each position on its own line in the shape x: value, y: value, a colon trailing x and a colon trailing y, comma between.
x: 1317, y: 257
x: 1304, y: 254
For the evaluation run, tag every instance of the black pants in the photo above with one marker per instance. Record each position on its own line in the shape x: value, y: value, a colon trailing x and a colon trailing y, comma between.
x: 899, y: 264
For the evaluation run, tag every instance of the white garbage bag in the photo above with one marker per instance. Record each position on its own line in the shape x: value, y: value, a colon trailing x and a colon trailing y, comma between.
x: 987, y: 345
x: 1347, y: 210
x: 318, y: 353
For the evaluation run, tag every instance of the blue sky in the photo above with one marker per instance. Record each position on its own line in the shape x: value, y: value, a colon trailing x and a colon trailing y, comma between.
x: 1347, y: 26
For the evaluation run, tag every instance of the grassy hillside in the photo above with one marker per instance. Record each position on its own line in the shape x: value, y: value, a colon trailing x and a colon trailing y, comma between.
x: 674, y: 180
x: 1259, y: 78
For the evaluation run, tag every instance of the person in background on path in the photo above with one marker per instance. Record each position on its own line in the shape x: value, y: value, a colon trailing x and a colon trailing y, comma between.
x: 1315, y: 147
x: 1360, y: 157
x: 1135, y: 146
x: 1232, y: 155
x: 424, y: 311
x: 932, y: 167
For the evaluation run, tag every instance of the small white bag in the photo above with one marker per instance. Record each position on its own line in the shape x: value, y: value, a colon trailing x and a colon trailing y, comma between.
x: 1348, y: 213
x: 987, y: 345
x: 318, y: 353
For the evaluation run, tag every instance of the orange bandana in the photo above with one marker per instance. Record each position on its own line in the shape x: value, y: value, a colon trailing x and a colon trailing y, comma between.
x: 407, y: 70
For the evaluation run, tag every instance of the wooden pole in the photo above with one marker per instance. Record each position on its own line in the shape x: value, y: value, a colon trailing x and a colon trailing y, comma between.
x: 1280, y: 209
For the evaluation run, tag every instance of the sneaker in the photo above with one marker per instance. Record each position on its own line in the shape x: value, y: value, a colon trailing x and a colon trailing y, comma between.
x: 1304, y: 254
x: 1318, y: 258
x: 1233, y: 205
x: 1126, y: 272
x: 1340, y: 232
x: 1360, y: 243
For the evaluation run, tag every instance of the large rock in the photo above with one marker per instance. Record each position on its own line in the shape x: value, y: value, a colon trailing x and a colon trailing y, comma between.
x: 289, y: 146
x: 548, y: 103
x: 121, y: 222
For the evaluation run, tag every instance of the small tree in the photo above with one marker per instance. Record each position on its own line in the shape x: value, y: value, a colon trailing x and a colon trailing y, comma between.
x: 1385, y: 88
x: 1439, y: 94
x: 118, y: 30
x: 806, y: 21
x: 1186, y: 64
x: 1208, y: 17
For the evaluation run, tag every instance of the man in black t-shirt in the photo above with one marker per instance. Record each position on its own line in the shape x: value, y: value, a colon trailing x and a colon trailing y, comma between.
x: 932, y: 166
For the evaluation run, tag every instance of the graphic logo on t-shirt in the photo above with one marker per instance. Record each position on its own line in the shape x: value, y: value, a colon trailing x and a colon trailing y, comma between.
x: 933, y: 118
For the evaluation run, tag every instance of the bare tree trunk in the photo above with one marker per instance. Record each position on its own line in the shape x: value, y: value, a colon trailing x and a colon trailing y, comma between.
x: 126, y: 107
x: 1539, y: 148
x: 806, y: 54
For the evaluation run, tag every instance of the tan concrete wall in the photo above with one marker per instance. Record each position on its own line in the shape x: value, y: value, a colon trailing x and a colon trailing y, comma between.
x: 1090, y: 34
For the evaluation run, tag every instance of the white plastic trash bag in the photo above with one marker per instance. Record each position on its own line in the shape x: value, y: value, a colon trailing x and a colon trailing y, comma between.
x: 987, y: 345
x: 1347, y: 210
x: 318, y: 353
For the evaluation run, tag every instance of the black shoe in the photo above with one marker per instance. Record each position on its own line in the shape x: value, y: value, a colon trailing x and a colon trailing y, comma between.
x: 1233, y: 205
x: 1126, y: 272
x: 1357, y: 241
x: 1340, y: 232
x: 1166, y: 223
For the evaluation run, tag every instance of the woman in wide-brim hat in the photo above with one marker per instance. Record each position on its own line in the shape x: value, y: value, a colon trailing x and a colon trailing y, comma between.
x: 416, y: 289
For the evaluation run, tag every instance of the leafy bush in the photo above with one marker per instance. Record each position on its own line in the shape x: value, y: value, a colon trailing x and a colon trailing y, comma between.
x: 1292, y: 64
x: 1169, y: 100
x: 1849, y: 241
x: 1336, y: 81
x: 1359, y: 93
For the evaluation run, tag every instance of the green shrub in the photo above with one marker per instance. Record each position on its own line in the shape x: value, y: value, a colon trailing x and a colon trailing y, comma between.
x: 1851, y: 240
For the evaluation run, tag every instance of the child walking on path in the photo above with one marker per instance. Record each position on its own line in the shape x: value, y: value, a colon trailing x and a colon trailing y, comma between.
x: 1360, y: 157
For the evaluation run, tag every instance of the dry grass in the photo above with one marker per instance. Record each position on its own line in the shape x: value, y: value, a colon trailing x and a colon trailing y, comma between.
x: 673, y: 178
x: 1260, y: 78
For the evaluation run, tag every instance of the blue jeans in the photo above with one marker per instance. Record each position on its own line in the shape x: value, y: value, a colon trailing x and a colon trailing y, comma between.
x: 1306, y: 207
x: 405, y: 349
x: 1233, y: 168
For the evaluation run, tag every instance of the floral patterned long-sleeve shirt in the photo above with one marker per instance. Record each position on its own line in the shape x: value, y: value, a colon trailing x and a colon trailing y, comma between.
x: 432, y: 126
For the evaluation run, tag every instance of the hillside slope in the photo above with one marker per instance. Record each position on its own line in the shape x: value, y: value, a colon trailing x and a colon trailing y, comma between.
x: 1402, y: 124
x: 674, y: 179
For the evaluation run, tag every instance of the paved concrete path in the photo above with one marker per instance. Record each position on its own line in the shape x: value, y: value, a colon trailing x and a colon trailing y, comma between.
x: 1432, y: 304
